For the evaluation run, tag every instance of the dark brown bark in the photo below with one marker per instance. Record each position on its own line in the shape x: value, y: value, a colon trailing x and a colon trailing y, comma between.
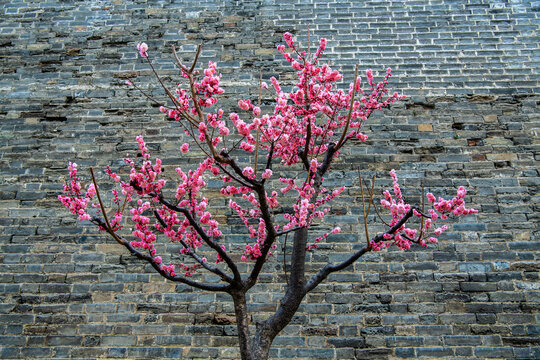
x: 242, y: 323
x: 269, y: 329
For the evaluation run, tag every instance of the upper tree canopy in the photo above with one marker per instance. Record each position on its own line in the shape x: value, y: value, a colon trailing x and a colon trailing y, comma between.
x: 305, y: 131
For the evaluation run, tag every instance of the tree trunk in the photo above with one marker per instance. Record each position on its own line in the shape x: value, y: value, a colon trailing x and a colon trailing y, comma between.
x: 242, y: 324
x: 258, y: 347
x: 260, y: 350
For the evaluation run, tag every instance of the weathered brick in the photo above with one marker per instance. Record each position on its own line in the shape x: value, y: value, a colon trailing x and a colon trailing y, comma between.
x: 173, y: 340
x: 404, y: 352
x: 395, y: 341
x: 12, y: 341
x: 347, y: 342
x: 118, y: 340
x: 64, y: 340
x: 315, y: 353
x: 493, y: 351
x: 10, y: 353
x: 460, y: 340
x: 435, y: 351
x: 433, y: 329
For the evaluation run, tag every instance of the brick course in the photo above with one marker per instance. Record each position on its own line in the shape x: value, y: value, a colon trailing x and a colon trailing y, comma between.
x: 470, y: 71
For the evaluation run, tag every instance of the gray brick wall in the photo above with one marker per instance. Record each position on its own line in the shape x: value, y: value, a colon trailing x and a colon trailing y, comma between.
x: 470, y: 69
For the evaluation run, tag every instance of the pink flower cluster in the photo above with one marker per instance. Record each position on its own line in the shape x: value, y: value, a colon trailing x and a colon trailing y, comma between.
x: 456, y: 206
x: 404, y: 236
x: 75, y: 201
x: 145, y: 180
x: 142, y: 230
x: 205, y: 95
x: 296, y: 111
x: 209, y: 86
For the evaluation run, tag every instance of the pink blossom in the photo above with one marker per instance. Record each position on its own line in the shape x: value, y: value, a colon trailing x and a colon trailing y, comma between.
x: 248, y: 172
x: 184, y: 148
x: 322, y: 47
x: 275, y: 83
x: 266, y: 174
x: 244, y: 105
x: 143, y: 48
x: 288, y: 39
x: 313, y: 165
x: 369, y: 75
x: 361, y: 137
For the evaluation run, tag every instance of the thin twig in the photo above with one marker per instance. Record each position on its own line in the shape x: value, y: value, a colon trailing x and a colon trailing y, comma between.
x: 109, y: 228
x: 169, y: 94
x: 158, y: 267
x: 421, y: 217
x: 287, y: 231
x: 371, y: 193
x: 182, y: 66
x: 147, y: 96
x: 199, y: 48
x: 191, y: 252
x: 341, y: 140
x: 375, y: 206
x: 364, y: 208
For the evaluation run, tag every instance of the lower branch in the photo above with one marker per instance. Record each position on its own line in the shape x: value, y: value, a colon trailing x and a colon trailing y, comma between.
x: 156, y: 266
x: 329, y: 268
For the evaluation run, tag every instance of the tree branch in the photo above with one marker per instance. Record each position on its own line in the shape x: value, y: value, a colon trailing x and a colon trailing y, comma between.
x: 235, y: 178
x: 230, y: 161
x: 270, y: 235
x: 173, y: 99
x: 157, y: 267
x: 199, y: 48
x: 195, y: 256
x: 286, y: 231
x: 329, y: 268
x: 107, y: 225
x: 295, y: 290
x: 204, y: 236
x: 341, y: 141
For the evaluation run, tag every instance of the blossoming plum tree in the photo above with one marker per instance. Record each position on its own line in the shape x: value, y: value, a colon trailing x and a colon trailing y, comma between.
x: 304, y: 134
